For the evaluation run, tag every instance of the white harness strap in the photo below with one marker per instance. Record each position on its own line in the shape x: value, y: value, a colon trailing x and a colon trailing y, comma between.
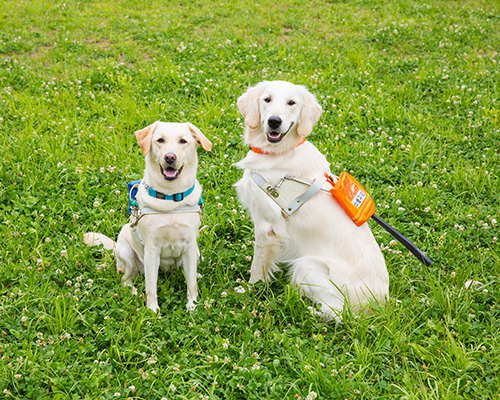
x: 138, y: 213
x: 289, y: 193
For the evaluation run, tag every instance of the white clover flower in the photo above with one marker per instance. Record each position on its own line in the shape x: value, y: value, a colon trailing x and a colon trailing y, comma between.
x: 239, y: 289
x: 152, y: 360
x: 311, y: 396
x: 223, y: 294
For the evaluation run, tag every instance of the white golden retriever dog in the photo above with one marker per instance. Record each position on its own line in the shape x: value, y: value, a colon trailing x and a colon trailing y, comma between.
x: 333, y: 261
x: 168, y: 197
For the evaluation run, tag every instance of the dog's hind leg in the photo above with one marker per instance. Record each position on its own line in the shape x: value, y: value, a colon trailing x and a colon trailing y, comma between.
x: 126, y: 261
x: 311, y: 276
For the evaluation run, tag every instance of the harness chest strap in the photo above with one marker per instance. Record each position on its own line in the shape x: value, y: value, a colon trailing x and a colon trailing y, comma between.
x: 138, y: 213
x: 289, y: 193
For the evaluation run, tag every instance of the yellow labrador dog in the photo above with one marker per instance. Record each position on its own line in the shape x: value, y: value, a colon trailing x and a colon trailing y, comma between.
x: 164, y: 231
x: 333, y: 261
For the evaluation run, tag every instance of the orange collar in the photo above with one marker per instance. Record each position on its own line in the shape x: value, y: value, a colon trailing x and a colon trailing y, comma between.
x: 260, y: 151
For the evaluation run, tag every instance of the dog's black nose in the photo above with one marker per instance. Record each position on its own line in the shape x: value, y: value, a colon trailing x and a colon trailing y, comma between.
x: 170, y: 158
x: 274, y: 122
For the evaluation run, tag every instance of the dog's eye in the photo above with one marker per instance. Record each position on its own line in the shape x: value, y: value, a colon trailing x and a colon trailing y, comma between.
x: 267, y: 99
x: 183, y: 141
x: 291, y: 102
x: 160, y: 140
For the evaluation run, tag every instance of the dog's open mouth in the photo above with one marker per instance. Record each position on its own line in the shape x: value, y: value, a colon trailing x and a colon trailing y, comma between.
x: 170, y: 173
x: 276, y: 137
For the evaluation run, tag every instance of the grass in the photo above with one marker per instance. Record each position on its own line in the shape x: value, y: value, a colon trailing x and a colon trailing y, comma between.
x: 410, y: 92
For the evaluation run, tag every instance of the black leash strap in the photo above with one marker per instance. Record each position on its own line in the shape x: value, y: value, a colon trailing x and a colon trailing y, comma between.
x: 403, y: 240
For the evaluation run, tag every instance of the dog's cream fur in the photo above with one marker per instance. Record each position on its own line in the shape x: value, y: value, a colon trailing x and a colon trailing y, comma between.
x: 162, y: 240
x: 333, y: 261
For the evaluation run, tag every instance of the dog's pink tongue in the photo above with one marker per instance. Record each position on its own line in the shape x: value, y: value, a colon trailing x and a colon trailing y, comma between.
x: 170, y: 172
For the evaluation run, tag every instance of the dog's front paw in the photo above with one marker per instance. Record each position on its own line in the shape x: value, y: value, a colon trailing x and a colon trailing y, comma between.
x: 154, y: 307
x: 260, y: 276
x: 254, y: 278
x: 191, y: 306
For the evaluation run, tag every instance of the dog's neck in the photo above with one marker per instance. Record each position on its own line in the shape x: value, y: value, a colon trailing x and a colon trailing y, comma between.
x: 176, y: 197
x: 260, y: 151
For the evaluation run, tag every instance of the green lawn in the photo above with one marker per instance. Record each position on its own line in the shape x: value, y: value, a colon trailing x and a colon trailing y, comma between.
x: 411, y: 98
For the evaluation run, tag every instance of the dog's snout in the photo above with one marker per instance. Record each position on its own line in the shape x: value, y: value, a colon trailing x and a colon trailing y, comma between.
x: 170, y: 158
x: 274, y: 122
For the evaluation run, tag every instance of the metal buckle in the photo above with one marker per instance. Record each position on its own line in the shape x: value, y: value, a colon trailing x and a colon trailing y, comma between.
x: 273, y: 190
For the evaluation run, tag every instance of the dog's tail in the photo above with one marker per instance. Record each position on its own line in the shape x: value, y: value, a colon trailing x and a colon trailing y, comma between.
x: 96, y: 239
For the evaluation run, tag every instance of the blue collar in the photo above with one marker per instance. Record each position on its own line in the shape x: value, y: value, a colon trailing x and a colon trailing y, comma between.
x: 175, y: 197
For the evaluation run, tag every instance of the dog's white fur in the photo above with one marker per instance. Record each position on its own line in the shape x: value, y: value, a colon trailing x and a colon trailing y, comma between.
x: 333, y: 261
x: 170, y: 238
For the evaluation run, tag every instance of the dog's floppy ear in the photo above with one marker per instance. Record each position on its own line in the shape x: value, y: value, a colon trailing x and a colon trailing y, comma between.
x: 248, y: 104
x: 310, y: 114
x: 200, y: 137
x: 144, y: 137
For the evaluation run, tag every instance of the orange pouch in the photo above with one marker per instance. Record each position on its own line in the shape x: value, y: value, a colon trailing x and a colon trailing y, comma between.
x: 353, y: 198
